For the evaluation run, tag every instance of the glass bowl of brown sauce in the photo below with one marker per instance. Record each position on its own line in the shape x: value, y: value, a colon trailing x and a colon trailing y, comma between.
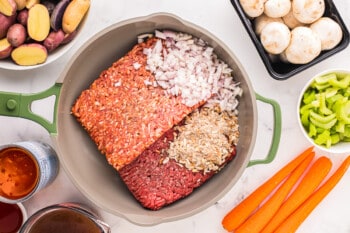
x: 65, y: 217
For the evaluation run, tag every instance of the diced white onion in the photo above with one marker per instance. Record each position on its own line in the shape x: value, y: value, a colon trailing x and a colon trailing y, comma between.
x: 187, y: 66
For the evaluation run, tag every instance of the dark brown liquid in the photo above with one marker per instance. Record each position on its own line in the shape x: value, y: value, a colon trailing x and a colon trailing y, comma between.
x: 64, y: 220
x: 18, y: 173
x: 10, y: 218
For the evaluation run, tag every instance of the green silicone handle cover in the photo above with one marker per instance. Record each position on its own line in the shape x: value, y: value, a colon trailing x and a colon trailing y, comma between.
x: 19, y: 105
x: 277, y: 128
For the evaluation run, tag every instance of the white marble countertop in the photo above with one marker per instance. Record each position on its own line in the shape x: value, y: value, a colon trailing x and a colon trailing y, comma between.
x: 220, y: 18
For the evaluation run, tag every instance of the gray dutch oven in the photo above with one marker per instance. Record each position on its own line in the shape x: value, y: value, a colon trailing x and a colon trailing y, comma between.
x: 79, y: 156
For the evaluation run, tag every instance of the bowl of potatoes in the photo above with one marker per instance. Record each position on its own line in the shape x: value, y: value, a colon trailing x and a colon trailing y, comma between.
x: 36, y: 32
x: 291, y: 36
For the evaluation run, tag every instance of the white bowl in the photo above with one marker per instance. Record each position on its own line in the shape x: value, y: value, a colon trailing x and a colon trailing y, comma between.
x: 9, y: 64
x: 341, y: 147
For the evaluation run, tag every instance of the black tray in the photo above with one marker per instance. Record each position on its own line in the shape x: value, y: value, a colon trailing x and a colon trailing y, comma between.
x: 280, y: 70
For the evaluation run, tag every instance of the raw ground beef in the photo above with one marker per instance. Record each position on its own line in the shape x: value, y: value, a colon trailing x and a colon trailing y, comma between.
x: 122, y: 113
x: 157, y: 181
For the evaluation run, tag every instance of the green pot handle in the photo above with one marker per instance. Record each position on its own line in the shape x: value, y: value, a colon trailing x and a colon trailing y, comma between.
x: 277, y: 128
x: 19, y: 105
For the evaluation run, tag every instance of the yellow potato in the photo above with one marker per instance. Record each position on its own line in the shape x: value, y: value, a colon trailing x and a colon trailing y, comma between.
x: 21, y: 4
x: 74, y: 14
x: 38, y: 24
x: 8, y: 7
x: 31, y: 3
x: 29, y: 54
x: 5, y: 48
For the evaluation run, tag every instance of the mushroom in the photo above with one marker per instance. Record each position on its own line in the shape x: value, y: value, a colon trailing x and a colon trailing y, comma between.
x: 290, y: 20
x: 277, y: 8
x: 275, y: 37
x: 329, y: 31
x: 308, y: 11
x: 304, y: 46
x: 261, y: 21
x: 282, y: 57
x: 253, y: 8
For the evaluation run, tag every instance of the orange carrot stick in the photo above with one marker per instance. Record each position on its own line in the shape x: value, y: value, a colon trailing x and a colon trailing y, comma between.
x: 257, y: 221
x: 294, y: 220
x: 242, y: 211
x: 306, y: 187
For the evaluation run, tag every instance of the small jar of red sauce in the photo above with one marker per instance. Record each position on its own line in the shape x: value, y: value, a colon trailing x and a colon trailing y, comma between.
x: 12, y: 216
x: 25, y: 168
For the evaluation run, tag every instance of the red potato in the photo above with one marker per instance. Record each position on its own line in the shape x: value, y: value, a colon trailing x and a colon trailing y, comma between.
x: 54, y: 40
x: 17, y: 34
x: 22, y: 17
x: 69, y: 37
x: 29, y: 54
x: 8, y: 7
x: 5, y: 48
x: 5, y: 23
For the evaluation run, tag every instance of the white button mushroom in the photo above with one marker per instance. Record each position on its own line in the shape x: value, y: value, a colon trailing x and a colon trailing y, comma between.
x: 277, y: 8
x: 304, y: 46
x: 261, y: 21
x: 253, y: 8
x: 275, y: 37
x: 290, y: 20
x: 282, y: 57
x: 329, y: 31
x: 308, y: 11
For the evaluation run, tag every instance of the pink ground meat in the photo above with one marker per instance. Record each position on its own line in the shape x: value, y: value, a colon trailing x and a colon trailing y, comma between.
x: 156, y: 181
